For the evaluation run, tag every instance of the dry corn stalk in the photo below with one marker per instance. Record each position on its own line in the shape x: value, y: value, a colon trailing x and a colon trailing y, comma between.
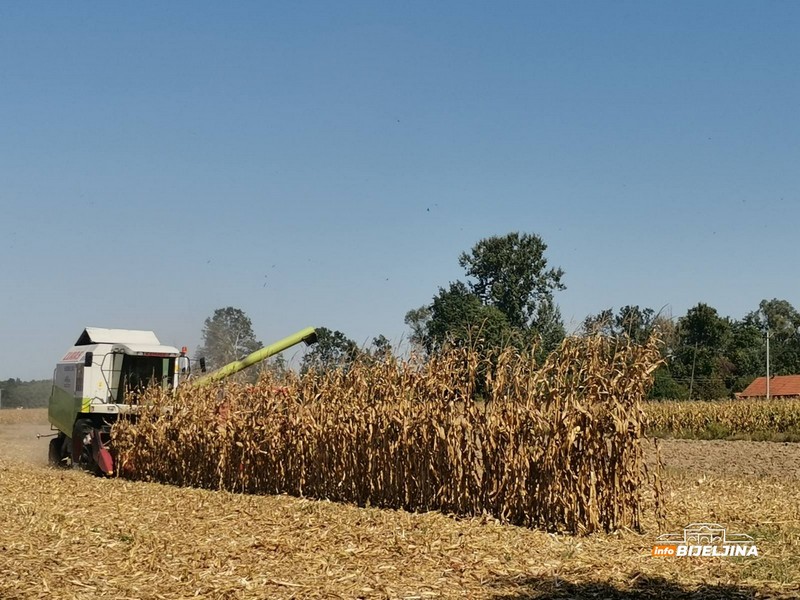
x: 555, y: 447
x: 725, y: 418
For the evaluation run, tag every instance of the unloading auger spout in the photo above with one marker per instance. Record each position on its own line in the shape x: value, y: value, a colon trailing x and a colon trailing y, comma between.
x: 307, y: 335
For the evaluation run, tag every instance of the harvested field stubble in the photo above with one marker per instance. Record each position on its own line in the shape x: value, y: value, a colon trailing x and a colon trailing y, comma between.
x: 556, y: 447
x: 68, y: 535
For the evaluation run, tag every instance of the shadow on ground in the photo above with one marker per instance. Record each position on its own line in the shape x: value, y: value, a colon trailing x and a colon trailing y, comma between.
x: 641, y: 588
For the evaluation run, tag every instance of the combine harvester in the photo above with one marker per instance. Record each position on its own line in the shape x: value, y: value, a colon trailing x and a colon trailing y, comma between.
x: 91, y: 381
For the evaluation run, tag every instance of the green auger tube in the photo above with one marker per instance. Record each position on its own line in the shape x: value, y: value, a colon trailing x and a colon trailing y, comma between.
x: 307, y: 335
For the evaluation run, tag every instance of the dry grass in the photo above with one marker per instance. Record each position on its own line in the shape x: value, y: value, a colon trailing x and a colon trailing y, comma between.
x: 13, y: 416
x: 776, y: 419
x: 69, y: 535
x: 556, y: 446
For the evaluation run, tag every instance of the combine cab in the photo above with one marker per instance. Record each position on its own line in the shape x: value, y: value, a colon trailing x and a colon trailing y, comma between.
x: 93, y: 377
x: 89, y: 388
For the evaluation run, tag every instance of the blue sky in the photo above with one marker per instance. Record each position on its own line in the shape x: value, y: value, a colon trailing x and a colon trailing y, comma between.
x: 324, y: 163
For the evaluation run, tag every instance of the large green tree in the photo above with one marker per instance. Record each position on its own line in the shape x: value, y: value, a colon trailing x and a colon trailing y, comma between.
x: 601, y: 323
x: 457, y: 315
x: 781, y: 321
x: 746, y: 351
x: 227, y: 336
x: 635, y: 322
x: 507, y: 298
x: 510, y: 272
x: 417, y: 319
x: 333, y: 350
x: 382, y: 347
x: 700, y: 359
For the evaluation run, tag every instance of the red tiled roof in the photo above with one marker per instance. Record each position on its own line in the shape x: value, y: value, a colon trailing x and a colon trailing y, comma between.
x: 780, y: 385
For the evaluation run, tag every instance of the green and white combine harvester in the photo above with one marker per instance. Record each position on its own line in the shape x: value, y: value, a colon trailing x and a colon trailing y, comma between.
x: 91, y: 381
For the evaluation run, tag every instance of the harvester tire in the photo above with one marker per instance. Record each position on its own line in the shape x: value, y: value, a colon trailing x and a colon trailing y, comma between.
x: 54, y: 451
x: 79, y: 431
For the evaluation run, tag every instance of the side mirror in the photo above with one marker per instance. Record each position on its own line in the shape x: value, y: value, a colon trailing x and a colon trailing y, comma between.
x: 88, y: 359
x: 184, y: 364
x: 202, y: 364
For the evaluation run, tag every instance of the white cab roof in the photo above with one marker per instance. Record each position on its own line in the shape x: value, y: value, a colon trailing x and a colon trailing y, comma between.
x: 98, y: 335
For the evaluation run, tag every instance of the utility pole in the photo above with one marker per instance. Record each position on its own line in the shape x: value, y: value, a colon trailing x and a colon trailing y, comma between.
x: 691, y: 382
x: 767, y: 361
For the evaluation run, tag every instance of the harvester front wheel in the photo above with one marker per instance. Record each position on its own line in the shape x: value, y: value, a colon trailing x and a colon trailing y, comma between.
x: 82, y: 452
x: 55, y: 451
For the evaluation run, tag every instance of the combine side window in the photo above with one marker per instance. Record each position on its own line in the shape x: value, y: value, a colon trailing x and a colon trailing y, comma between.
x: 65, y: 377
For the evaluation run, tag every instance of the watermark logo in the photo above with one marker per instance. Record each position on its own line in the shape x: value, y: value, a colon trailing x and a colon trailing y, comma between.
x: 705, y: 539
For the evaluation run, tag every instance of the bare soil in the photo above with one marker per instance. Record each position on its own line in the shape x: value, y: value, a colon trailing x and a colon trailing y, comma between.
x: 735, y: 458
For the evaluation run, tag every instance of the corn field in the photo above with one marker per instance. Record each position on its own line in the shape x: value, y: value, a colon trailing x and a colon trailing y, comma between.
x: 777, y: 419
x: 556, y: 446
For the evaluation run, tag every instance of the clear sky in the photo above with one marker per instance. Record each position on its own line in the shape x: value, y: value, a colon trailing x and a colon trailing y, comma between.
x: 324, y: 163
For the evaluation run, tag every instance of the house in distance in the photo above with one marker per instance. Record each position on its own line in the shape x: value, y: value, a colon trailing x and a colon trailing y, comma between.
x: 780, y: 386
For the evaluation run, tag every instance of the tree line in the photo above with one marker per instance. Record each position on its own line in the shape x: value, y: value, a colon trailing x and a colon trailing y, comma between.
x: 707, y: 355
x: 507, y: 297
x: 24, y: 394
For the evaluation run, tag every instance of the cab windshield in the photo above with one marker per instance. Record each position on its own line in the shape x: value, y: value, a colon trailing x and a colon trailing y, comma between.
x: 138, y: 372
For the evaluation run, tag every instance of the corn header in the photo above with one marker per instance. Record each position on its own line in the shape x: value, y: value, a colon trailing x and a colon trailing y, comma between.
x: 92, y: 381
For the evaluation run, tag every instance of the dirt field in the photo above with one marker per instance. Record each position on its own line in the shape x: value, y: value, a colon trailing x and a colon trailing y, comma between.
x: 715, y: 458
x: 66, y: 534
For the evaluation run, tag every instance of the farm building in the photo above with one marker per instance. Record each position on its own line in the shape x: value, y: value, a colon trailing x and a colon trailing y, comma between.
x: 779, y: 385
